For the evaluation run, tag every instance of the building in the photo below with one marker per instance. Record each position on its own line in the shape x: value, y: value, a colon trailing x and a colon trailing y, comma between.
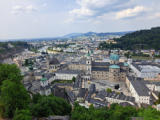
x: 138, y: 89
x: 81, y: 65
x: 53, y: 64
x: 82, y: 94
x: 112, y: 71
x: 67, y: 74
x: 113, y: 97
x: 146, y: 70
x: 153, y: 86
x: 45, y: 87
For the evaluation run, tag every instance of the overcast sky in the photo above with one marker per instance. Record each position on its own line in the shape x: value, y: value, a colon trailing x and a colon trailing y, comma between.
x: 52, y: 18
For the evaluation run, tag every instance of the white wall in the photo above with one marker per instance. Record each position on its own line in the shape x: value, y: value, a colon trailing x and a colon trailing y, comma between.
x: 61, y: 76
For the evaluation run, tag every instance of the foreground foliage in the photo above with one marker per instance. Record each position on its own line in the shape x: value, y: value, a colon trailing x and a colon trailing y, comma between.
x: 22, y: 115
x: 114, y: 112
x: 44, y: 106
x: 13, y: 94
x: 16, y: 102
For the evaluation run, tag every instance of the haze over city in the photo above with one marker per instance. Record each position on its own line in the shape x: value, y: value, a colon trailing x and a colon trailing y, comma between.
x: 53, y: 18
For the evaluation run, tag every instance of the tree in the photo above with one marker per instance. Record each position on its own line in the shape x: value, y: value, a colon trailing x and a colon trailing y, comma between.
x: 36, y: 97
x: 115, y: 112
x: 109, y: 90
x: 10, y: 72
x: 50, y: 105
x: 143, y: 39
x: 149, y: 114
x: 22, y: 115
x: 73, y: 79
x: 158, y: 101
x: 13, y: 96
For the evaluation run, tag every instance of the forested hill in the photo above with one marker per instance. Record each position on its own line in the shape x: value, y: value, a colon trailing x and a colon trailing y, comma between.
x: 8, y: 49
x: 143, y: 39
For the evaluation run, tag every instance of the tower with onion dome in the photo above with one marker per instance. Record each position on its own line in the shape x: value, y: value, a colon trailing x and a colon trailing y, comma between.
x: 114, y: 58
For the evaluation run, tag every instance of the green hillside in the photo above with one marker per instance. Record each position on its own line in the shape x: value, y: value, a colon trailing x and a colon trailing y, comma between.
x: 143, y: 39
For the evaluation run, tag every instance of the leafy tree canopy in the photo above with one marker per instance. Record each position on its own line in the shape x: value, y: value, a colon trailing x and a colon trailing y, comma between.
x: 10, y: 72
x: 114, y: 112
x: 143, y: 39
x: 50, y: 105
x: 13, y: 96
x: 22, y: 115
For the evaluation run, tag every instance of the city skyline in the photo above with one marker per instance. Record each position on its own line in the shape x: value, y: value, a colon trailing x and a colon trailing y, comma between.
x: 54, y: 18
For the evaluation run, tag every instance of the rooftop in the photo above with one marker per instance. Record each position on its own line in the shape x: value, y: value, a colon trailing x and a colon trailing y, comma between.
x: 53, y: 61
x: 114, y: 57
x: 68, y: 72
x: 44, y: 79
x: 147, y: 67
x: 139, y: 86
x: 99, y: 69
x: 126, y: 64
x: 96, y: 64
x: 114, y: 67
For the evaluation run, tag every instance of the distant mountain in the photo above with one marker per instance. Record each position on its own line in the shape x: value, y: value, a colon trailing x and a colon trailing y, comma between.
x: 143, y: 39
x: 68, y: 36
x: 72, y: 35
x: 92, y: 34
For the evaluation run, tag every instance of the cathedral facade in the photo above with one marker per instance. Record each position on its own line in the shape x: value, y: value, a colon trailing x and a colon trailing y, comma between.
x: 112, y: 71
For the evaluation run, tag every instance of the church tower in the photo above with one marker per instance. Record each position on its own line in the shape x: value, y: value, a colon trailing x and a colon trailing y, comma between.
x: 89, y: 63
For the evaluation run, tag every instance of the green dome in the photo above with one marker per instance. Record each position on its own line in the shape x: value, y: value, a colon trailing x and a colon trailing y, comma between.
x: 91, y: 52
x: 114, y: 57
x: 44, y: 79
x: 114, y: 67
x: 88, y: 54
x: 126, y: 64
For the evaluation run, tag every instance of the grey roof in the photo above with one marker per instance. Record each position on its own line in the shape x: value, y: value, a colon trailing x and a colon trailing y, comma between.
x: 152, y: 67
x: 54, y: 61
x: 139, y: 86
x: 28, y: 86
x: 92, y: 88
x: 69, y: 72
x: 38, y: 73
x: 77, y: 83
x: 82, y: 92
x: 45, y: 88
x: 100, y: 69
x: 62, y: 84
x: 71, y: 96
x: 59, y: 92
x: 48, y: 75
x: 36, y: 83
x: 100, y: 64
x: 82, y: 61
x: 102, y: 94
x: 88, y: 97
x: 98, y: 103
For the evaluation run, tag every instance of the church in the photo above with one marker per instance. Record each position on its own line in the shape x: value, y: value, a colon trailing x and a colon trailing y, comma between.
x: 113, y: 71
